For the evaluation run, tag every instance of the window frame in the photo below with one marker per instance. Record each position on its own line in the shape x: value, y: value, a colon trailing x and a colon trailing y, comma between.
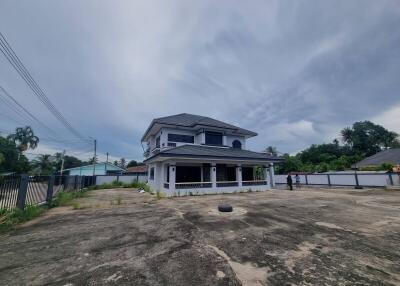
x: 189, y: 138
x: 212, y: 133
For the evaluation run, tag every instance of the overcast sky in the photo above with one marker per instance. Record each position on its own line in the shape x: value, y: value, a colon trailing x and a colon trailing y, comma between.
x: 295, y: 72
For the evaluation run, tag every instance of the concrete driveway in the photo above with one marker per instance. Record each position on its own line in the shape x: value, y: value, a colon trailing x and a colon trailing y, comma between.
x: 121, y: 237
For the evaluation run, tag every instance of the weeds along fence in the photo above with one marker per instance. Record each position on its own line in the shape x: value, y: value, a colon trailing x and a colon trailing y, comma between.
x: 345, y: 179
x: 22, y: 190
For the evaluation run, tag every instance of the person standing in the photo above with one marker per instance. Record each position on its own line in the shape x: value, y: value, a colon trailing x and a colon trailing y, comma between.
x: 289, y: 182
x: 297, y: 181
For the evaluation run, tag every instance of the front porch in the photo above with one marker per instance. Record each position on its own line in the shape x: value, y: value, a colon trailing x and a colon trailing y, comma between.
x: 195, y: 178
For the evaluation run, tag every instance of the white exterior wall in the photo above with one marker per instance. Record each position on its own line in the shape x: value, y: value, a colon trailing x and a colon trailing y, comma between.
x: 230, y: 139
x: 219, y: 190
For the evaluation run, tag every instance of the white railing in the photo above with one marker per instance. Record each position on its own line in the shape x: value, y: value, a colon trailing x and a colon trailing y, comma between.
x: 254, y: 183
x: 227, y: 184
x: 193, y: 185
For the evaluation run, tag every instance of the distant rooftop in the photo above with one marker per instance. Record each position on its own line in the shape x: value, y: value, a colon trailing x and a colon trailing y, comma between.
x: 391, y: 156
x: 97, y: 165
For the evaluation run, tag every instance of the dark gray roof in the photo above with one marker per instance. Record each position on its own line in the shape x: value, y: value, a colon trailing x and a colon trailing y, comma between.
x: 191, y: 120
x: 391, y: 156
x: 198, y: 151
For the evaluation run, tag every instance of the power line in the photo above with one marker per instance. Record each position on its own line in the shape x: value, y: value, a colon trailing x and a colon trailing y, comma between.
x: 33, y: 85
x: 34, y: 118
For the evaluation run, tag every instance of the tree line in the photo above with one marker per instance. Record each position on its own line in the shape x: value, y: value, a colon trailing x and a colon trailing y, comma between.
x: 13, y: 159
x: 361, y: 140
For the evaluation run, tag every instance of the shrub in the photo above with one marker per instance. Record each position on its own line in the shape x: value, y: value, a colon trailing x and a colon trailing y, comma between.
x: 9, y: 218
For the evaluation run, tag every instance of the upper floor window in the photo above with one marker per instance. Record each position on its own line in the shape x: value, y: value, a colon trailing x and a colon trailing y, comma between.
x: 213, y: 138
x: 237, y: 144
x: 180, y: 138
x: 158, y: 142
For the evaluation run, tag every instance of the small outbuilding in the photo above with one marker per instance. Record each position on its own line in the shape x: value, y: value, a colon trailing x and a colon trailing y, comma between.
x: 136, y: 170
x: 99, y: 168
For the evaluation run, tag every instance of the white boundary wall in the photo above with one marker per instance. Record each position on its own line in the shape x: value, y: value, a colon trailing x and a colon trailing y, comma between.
x: 121, y: 178
x: 364, y: 179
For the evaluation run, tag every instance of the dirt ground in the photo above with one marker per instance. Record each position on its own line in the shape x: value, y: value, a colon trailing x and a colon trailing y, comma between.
x: 121, y: 237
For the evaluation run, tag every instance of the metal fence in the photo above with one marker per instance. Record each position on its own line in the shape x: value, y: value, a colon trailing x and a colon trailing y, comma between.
x: 21, y: 190
x: 345, y: 179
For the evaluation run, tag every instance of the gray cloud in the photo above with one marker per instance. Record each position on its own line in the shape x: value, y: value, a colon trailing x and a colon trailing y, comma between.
x: 294, y: 73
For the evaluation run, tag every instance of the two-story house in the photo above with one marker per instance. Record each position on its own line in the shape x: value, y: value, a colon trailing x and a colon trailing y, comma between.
x: 192, y: 154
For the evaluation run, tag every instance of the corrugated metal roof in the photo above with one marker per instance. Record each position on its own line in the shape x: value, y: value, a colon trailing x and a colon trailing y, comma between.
x: 137, y: 169
x: 391, y: 156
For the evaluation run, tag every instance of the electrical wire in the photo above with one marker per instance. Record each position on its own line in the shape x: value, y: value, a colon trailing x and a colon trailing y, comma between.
x: 14, y: 60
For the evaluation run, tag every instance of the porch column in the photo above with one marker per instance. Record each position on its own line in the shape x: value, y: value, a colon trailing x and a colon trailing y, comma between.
x: 272, y: 175
x: 172, y: 176
x: 213, y: 175
x: 162, y: 176
x: 239, y: 174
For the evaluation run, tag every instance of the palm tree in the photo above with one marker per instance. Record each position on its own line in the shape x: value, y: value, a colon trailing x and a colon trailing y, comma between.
x: 24, y: 138
x: 122, y: 163
x: 44, y: 164
x: 347, y: 135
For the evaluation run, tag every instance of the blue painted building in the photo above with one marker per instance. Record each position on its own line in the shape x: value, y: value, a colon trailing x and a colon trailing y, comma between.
x: 100, y: 169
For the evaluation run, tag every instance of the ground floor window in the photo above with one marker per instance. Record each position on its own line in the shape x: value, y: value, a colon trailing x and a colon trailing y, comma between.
x: 152, y: 173
x: 188, y: 174
x: 226, y: 173
x: 247, y: 174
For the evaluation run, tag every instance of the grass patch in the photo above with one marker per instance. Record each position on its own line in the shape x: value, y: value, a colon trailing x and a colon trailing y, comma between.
x: 117, y: 184
x: 116, y: 201
x: 66, y: 198
x: 9, y: 218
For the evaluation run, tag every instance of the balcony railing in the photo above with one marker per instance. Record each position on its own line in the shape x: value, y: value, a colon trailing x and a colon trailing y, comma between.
x: 227, y: 184
x: 254, y: 183
x: 193, y: 185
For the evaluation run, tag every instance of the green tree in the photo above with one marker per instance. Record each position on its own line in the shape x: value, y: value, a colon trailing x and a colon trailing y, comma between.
x: 132, y: 163
x: 367, y: 138
x: 43, y: 165
x: 69, y: 161
x: 271, y: 150
x: 12, y: 160
x: 24, y: 138
x: 122, y: 163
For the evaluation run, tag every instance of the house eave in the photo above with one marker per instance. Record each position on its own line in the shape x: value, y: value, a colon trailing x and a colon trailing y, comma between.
x: 211, y: 158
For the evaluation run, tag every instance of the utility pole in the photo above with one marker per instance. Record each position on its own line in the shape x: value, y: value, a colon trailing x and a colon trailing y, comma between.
x: 94, y: 157
x: 62, y: 162
x: 105, y: 166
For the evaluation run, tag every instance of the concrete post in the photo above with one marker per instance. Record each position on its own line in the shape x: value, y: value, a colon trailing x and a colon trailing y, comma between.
x: 23, y: 188
x: 272, y: 175
x: 50, y: 186
x: 239, y: 175
x: 213, y: 175
x: 172, y: 177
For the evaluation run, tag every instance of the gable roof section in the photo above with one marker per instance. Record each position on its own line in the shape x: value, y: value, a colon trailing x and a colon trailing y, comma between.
x: 197, y: 151
x: 386, y: 156
x: 192, y: 120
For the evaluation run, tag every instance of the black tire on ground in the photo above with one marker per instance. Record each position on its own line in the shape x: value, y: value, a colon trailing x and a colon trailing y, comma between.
x: 226, y: 208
